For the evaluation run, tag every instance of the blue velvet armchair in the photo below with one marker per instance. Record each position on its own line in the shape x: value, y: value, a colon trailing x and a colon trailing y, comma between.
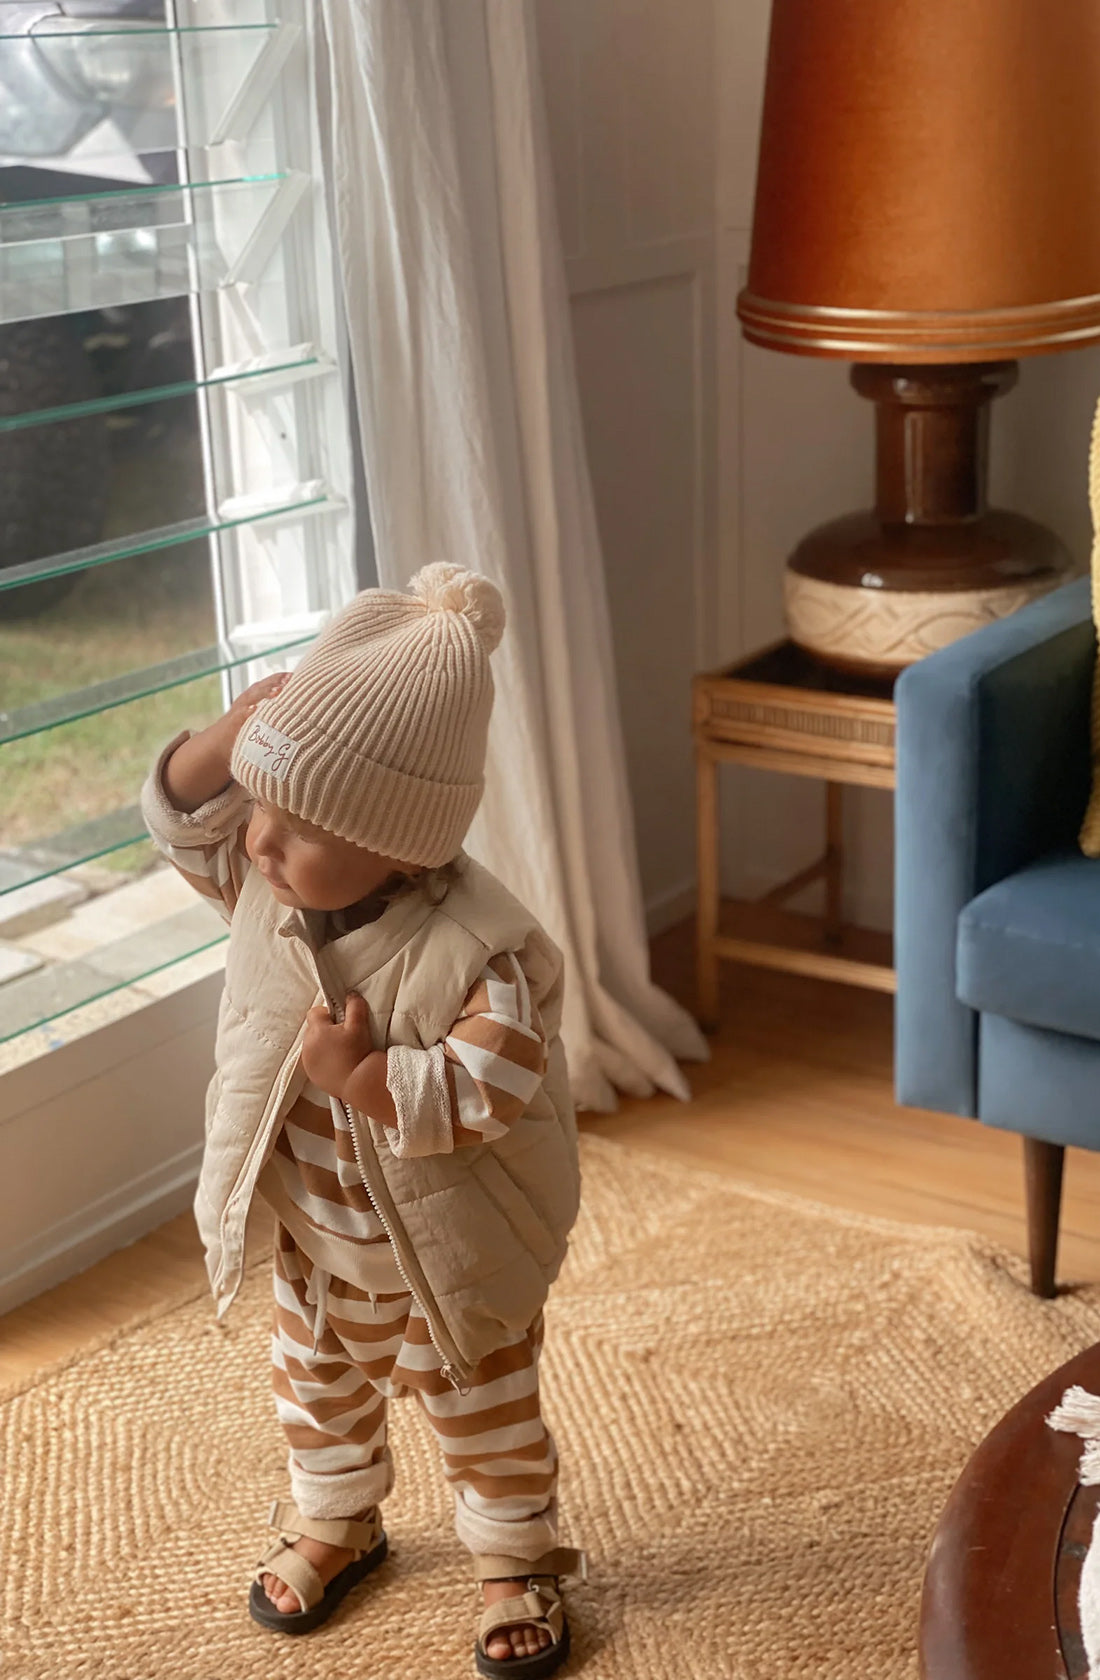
x: 998, y: 912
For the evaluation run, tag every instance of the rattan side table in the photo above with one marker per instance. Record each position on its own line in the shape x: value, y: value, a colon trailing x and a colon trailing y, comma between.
x: 781, y: 710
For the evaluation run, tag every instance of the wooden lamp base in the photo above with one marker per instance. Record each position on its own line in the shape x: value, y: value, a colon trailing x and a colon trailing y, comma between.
x: 874, y: 591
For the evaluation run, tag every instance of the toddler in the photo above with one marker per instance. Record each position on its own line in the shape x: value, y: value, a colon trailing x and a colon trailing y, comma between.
x: 390, y: 1080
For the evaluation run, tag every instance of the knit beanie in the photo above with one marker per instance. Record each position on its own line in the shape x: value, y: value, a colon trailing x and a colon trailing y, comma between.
x: 379, y: 735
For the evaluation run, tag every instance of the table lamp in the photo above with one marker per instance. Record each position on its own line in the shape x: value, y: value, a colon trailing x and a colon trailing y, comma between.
x: 928, y: 208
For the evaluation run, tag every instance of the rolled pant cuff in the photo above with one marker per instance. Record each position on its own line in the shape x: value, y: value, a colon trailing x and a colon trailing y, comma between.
x: 342, y: 1495
x: 485, y: 1537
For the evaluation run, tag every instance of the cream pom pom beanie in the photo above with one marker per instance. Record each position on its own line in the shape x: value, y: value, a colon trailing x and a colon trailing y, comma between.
x: 379, y: 735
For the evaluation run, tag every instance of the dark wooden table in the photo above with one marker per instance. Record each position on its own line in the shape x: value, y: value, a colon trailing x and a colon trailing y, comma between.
x: 1000, y: 1591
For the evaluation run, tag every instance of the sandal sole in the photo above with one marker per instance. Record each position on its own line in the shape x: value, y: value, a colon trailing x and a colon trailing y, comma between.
x: 535, y: 1667
x: 261, y: 1609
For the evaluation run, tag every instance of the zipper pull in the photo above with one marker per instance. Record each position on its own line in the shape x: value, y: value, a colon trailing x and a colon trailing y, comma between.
x: 454, y: 1379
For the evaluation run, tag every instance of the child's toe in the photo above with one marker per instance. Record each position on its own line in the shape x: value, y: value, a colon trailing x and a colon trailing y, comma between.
x: 280, y: 1595
x: 520, y: 1641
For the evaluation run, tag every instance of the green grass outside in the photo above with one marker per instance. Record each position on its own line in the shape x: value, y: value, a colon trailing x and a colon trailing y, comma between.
x: 118, y: 618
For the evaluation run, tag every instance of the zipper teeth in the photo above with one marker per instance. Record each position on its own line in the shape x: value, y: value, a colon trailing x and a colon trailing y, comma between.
x: 336, y: 1010
x: 446, y: 1367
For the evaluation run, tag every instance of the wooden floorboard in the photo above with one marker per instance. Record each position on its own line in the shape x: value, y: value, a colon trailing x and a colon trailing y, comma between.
x: 797, y: 1096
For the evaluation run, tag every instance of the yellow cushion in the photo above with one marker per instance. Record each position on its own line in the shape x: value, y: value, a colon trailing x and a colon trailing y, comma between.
x: 1090, y: 828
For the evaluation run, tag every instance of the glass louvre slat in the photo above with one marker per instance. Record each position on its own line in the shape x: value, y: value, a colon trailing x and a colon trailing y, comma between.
x: 102, y: 250
x: 135, y: 685
x: 109, y: 88
x: 62, y: 27
x: 21, y: 866
x: 47, y: 993
x: 312, y: 498
x: 38, y: 219
x: 295, y: 362
x: 188, y: 14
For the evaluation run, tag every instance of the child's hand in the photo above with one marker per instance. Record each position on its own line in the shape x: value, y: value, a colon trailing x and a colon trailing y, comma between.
x: 230, y: 724
x: 331, y: 1050
x: 198, y: 770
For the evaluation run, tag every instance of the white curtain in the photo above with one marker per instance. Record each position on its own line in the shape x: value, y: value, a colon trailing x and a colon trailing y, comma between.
x: 459, y: 336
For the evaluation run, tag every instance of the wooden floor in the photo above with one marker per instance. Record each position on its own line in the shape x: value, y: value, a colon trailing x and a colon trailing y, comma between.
x: 797, y: 1097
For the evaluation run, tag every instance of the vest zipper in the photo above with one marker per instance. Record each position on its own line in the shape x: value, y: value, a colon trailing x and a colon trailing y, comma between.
x: 336, y: 1010
x: 447, y: 1369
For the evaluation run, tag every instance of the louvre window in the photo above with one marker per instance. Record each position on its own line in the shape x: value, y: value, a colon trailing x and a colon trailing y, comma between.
x: 175, y: 512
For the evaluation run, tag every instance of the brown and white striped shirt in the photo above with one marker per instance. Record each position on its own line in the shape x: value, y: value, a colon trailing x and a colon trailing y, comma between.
x: 464, y: 1091
x: 492, y: 1061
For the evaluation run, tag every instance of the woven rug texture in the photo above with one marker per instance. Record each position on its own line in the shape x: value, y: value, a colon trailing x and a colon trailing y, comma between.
x: 760, y: 1404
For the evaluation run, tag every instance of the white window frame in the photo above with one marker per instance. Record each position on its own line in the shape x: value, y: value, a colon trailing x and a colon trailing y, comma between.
x: 100, y: 1140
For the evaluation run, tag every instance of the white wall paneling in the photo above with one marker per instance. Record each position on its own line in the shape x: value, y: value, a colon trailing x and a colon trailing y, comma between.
x: 795, y: 446
x: 741, y: 48
x: 631, y: 99
x: 1040, y: 439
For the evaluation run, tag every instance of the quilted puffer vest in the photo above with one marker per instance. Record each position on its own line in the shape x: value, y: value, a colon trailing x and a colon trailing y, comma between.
x: 479, y: 1234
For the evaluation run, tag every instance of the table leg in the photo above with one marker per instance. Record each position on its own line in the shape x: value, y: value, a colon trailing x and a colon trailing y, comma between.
x: 706, y: 917
x: 834, y: 862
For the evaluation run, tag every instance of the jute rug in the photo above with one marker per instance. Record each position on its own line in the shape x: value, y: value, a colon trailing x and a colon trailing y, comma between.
x: 760, y: 1404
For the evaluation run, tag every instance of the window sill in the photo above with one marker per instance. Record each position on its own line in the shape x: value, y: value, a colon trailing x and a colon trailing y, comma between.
x: 117, y: 951
x: 70, y: 1029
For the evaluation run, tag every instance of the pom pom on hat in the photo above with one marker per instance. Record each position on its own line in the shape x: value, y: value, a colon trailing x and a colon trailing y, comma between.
x: 446, y: 588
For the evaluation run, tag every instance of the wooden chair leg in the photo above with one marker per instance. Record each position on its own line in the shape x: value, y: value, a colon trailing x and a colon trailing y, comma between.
x: 1043, y: 1164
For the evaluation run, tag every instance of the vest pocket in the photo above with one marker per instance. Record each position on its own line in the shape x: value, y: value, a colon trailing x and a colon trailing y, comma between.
x: 503, y: 1191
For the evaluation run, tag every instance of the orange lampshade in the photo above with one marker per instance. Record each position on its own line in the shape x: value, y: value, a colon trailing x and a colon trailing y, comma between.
x: 929, y: 180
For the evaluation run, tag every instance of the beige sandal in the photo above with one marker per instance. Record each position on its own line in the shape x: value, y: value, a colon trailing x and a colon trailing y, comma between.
x: 363, y: 1535
x: 539, y: 1607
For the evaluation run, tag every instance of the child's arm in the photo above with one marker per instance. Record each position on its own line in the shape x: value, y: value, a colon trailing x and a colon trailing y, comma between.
x: 193, y: 809
x: 466, y: 1090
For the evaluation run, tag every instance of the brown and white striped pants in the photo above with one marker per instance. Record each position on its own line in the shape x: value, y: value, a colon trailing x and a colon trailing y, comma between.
x: 340, y: 1355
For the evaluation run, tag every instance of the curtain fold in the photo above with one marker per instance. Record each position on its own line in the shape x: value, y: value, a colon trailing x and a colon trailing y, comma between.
x: 459, y: 336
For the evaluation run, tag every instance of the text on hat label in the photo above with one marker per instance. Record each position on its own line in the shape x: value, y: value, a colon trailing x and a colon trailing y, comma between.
x: 268, y: 749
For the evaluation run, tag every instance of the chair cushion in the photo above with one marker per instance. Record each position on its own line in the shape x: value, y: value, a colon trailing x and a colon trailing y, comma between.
x: 1029, y: 947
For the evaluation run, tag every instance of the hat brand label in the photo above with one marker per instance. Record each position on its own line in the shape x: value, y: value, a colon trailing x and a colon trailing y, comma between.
x: 268, y: 749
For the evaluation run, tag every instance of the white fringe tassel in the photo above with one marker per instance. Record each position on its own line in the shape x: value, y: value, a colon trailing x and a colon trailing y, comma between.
x: 1079, y: 1414
x: 1088, y: 1471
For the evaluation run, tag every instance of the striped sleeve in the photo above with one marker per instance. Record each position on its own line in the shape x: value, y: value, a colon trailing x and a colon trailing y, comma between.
x: 206, y: 846
x: 496, y: 1052
x: 492, y: 1063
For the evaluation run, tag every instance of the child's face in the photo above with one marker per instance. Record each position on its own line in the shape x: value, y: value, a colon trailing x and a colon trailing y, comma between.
x: 310, y: 869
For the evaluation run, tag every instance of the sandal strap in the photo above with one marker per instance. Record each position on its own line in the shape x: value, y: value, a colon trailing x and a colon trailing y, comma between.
x: 356, y: 1534
x: 295, y: 1572
x: 563, y: 1560
x: 540, y: 1607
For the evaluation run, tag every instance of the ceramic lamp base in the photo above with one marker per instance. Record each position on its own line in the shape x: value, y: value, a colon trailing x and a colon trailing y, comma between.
x: 872, y: 592
x: 878, y: 632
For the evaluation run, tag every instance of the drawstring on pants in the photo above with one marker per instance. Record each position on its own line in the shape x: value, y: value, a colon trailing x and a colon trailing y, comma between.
x: 317, y: 1298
